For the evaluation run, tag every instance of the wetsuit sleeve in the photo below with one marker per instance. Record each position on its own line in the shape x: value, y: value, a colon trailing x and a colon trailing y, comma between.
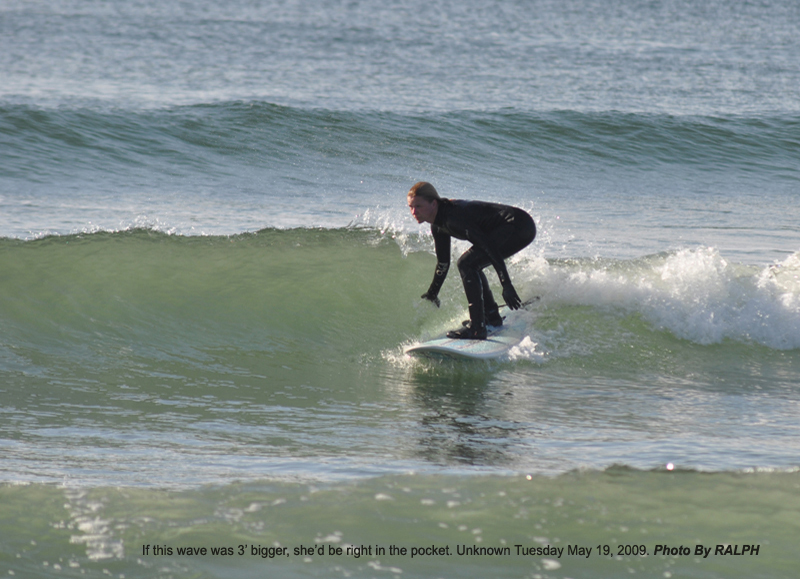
x: 442, y: 245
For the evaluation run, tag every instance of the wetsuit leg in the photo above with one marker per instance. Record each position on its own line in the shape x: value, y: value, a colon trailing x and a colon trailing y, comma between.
x: 509, y: 240
x: 490, y: 307
x: 470, y: 267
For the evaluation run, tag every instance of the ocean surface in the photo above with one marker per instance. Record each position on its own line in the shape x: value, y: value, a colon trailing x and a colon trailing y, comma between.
x: 209, y: 275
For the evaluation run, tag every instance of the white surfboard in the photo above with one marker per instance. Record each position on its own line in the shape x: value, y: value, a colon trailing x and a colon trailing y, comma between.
x: 498, y: 343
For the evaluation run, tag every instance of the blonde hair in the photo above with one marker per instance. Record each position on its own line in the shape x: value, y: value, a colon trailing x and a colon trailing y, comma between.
x: 425, y: 190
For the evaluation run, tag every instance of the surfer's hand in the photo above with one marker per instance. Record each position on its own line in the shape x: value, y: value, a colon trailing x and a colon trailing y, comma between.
x: 511, y: 297
x: 432, y: 298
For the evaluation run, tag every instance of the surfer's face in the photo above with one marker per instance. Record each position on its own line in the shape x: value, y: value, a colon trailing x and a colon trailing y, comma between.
x: 423, y: 211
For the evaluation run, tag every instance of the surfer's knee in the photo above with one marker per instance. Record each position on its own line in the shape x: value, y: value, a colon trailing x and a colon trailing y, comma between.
x: 469, y: 273
x: 468, y: 262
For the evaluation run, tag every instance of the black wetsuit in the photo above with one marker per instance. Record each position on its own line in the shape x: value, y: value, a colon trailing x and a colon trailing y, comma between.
x: 496, y: 233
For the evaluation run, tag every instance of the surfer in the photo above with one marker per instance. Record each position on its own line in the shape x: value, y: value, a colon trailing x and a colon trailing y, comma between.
x: 496, y: 233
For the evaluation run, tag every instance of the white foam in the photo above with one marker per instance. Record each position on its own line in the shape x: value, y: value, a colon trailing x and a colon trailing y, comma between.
x: 695, y: 294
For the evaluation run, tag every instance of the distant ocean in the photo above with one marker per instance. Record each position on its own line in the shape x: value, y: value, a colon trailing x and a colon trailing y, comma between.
x: 208, y: 276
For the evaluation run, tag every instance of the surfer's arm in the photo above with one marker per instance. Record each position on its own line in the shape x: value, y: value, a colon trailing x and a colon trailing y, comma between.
x: 442, y: 244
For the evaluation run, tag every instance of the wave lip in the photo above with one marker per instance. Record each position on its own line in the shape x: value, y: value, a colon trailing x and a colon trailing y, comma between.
x: 698, y: 295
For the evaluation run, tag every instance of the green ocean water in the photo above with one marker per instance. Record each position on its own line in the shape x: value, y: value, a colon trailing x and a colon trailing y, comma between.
x: 249, y: 390
x: 611, y: 523
x: 208, y: 277
x: 284, y: 344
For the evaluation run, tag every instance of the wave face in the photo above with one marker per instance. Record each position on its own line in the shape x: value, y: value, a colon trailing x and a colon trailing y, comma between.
x: 208, y: 138
x: 272, y: 341
x: 142, y: 287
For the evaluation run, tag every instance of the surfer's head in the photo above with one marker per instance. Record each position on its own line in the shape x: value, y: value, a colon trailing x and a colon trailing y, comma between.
x: 423, y: 200
x: 425, y: 190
